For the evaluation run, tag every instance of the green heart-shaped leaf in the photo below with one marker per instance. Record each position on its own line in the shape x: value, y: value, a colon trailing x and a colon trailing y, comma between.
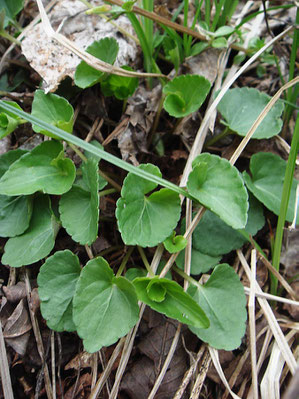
x: 106, y: 50
x: 185, y: 94
x: 223, y: 300
x: 7, y: 159
x: 111, y: 301
x: 53, y: 109
x: 266, y: 184
x: 168, y: 297
x: 241, y: 107
x: 79, y: 208
x: 222, y: 190
x: 142, y: 220
x: 56, y: 281
x: 43, y: 169
x: 37, y: 241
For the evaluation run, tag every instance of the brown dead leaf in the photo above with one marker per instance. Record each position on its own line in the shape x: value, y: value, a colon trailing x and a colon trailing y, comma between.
x: 141, y: 110
x: 139, y: 380
x: 82, y: 388
x: 80, y: 361
x: 15, y: 293
x: 289, y: 254
x: 17, y: 328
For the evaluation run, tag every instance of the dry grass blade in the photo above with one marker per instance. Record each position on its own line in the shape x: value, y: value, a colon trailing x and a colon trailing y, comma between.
x: 38, y: 338
x: 4, y: 369
x: 190, y: 372
x: 252, y: 329
x: 215, y: 358
x: 53, y: 363
x: 270, y: 385
x: 166, y: 363
x: 271, y: 297
x: 88, y: 58
x: 100, y: 383
x: 204, y: 367
x: 280, y: 338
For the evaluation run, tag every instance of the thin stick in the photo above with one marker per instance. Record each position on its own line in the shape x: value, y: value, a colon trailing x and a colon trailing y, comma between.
x: 38, y: 338
x: 201, y: 376
x: 271, y: 297
x: 252, y: 330
x: 166, y: 363
x: 4, y: 369
x: 53, y: 363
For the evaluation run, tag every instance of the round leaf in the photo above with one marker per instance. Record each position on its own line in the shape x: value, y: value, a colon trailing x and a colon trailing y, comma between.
x: 56, y: 281
x: 185, y: 94
x: 223, y: 300
x: 266, y: 184
x: 222, y: 191
x: 15, y: 214
x: 53, y: 109
x: 241, y: 107
x: 79, y: 208
x: 106, y: 50
x: 171, y: 300
x: 111, y: 301
x: 37, y: 241
x: 142, y: 220
x: 43, y: 169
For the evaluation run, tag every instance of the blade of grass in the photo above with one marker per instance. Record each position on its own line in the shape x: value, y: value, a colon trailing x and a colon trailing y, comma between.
x: 287, y: 184
x: 94, y: 150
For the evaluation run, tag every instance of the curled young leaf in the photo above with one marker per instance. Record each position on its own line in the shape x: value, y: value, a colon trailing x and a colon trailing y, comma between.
x: 185, y: 94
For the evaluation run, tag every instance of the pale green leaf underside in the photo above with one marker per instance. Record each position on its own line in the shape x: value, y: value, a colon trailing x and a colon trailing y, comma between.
x: 266, y: 184
x: 223, y: 300
x: 223, y: 191
x: 110, y: 301
x: 56, y: 281
x: 240, y: 107
x: 37, y: 241
x: 38, y: 170
x: 79, y: 208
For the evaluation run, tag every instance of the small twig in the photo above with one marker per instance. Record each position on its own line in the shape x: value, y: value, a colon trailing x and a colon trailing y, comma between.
x: 252, y: 329
x: 53, y: 363
x: 38, y: 338
x: 4, y: 369
x: 201, y: 376
x: 166, y: 363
